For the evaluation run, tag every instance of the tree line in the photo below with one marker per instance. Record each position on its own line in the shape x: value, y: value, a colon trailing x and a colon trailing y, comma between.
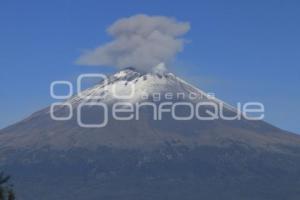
x: 6, y: 189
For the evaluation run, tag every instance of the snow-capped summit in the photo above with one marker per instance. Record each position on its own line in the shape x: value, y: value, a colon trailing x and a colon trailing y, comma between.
x: 130, y: 84
x: 133, y: 86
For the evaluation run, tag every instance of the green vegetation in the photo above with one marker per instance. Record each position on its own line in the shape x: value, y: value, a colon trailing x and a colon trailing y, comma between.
x: 6, y: 191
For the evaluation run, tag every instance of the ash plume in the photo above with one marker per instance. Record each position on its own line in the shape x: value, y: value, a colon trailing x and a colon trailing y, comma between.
x: 140, y: 41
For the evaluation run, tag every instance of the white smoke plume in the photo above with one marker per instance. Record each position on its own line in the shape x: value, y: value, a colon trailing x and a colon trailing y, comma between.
x: 139, y: 41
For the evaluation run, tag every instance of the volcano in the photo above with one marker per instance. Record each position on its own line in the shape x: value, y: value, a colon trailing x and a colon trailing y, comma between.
x: 144, y: 158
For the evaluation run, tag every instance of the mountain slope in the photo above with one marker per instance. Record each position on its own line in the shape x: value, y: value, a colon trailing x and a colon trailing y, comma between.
x: 147, y: 158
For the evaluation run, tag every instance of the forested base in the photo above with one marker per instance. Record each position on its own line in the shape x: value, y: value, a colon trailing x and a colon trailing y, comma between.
x: 234, y: 172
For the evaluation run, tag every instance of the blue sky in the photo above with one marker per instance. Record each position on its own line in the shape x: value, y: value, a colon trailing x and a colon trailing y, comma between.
x: 240, y: 50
